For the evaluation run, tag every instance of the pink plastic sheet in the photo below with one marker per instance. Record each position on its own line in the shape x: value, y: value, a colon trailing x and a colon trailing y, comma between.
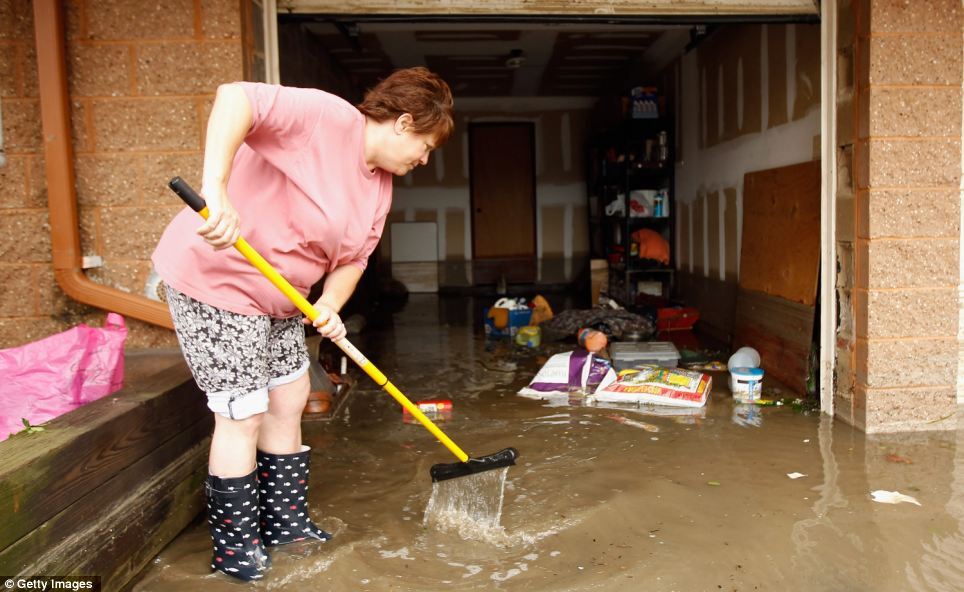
x: 47, y: 378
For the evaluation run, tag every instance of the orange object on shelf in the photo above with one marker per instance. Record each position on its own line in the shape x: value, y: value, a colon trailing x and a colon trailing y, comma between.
x: 652, y: 245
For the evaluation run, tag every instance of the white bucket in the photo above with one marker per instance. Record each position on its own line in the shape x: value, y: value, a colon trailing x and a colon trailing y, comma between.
x: 746, y: 384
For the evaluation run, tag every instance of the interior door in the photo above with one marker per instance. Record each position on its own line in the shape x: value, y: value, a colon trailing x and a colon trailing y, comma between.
x: 502, y: 189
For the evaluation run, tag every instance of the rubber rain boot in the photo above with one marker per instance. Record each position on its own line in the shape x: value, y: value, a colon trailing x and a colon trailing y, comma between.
x: 233, y: 517
x: 283, y: 488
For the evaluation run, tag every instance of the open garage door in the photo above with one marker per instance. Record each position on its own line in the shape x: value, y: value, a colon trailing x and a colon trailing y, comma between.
x: 539, y: 63
x: 618, y: 8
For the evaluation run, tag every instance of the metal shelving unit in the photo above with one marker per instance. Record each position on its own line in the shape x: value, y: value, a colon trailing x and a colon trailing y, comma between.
x: 634, y: 156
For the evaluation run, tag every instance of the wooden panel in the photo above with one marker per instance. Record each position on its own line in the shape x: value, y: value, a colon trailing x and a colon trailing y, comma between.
x: 44, y: 473
x: 780, y: 255
x: 728, y: 52
x: 580, y: 235
x: 779, y: 267
x: 710, y: 73
x: 502, y: 188
x: 715, y: 300
x: 426, y: 215
x: 553, y: 231
x: 454, y: 234
x: 105, y: 487
x: 728, y: 62
x: 713, y: 232
x: 749, y: 40
x: 782, y: 331
x: 731, y: 239
x: 53, y: 542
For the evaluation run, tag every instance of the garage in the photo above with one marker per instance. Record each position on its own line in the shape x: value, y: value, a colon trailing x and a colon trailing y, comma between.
x: 798, y: 181
x: 569, y: 128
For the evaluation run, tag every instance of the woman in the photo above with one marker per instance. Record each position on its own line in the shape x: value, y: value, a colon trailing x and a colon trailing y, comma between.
x: 307, y: 178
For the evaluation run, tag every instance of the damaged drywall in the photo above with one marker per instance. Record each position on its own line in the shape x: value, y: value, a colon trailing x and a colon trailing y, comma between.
x: 729, y: 87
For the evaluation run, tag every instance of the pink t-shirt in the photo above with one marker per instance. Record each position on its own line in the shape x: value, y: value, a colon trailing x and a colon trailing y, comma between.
x: 307, y: 202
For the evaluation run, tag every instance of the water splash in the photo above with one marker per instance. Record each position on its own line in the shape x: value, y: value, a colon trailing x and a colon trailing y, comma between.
x: 470, y: 506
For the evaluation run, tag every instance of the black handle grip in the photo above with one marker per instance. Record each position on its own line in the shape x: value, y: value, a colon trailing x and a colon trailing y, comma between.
x: 187, y: 193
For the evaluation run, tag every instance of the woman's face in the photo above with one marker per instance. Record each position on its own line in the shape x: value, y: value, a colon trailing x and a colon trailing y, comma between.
x: 409, y: 149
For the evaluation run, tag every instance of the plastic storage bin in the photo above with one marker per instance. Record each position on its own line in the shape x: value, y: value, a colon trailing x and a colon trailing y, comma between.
x: 628, y: 354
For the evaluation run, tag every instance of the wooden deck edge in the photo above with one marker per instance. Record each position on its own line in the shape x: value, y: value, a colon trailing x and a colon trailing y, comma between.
x: 43, y: 474
x: 123, y: 541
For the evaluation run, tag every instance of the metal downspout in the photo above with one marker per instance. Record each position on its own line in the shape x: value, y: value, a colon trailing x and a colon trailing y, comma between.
x: 61, y: 192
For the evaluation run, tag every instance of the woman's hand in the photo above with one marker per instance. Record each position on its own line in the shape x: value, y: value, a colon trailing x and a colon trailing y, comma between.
x: 223, y: 226
x: 328, y: 322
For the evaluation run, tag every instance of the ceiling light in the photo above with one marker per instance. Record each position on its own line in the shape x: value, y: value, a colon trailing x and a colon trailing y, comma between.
x: 515, y: 59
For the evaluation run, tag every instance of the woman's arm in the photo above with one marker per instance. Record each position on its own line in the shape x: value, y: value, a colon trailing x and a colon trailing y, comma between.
x: 228, y: 124
x: 339, y: 286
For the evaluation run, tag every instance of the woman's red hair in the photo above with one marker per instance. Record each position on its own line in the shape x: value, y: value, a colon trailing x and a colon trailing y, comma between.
x: 418, y: 92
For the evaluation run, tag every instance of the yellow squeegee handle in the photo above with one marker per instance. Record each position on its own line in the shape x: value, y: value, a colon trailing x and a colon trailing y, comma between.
x: 196, y: 202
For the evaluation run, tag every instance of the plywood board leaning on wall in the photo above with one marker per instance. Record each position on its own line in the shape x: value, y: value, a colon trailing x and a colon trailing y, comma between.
x: 779, y: 269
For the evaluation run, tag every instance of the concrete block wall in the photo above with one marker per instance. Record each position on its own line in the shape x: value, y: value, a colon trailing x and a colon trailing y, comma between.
x: 141, y: 80
x: 904, y: 178
x: 24, y: 231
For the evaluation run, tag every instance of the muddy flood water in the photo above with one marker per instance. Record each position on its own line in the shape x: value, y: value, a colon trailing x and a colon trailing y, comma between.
x: 596, y: 502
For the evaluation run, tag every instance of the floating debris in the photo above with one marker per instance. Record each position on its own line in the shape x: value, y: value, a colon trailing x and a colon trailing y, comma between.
x: 632, y: 422
x: 892, y: 497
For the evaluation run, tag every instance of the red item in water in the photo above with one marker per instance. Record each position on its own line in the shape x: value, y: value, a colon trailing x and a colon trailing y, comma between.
x: 434, y: 409
x: 676, y: 317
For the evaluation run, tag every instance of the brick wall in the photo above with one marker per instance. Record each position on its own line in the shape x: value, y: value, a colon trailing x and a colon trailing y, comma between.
x: 141, y: 78
x: 906, y: 164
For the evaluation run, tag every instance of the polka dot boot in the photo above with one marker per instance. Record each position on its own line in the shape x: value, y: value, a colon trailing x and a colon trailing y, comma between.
x: 233, y: 517
x: 283, y: 489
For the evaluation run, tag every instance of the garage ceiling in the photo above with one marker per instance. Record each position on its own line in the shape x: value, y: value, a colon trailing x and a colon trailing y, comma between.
x: 504, y: 59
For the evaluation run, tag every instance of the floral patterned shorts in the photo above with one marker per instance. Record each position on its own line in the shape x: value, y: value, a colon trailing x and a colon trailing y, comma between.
x: 236, y: 359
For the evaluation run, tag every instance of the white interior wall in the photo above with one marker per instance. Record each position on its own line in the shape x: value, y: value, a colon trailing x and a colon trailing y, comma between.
x: 454, y: 194
x: 722, y: 166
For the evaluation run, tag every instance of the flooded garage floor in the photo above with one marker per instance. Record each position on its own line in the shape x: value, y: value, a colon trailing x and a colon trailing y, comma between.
x: 700, y: 502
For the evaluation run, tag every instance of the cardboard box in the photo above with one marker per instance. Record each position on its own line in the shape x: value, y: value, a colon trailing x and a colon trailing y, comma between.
x: 518, y: 318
